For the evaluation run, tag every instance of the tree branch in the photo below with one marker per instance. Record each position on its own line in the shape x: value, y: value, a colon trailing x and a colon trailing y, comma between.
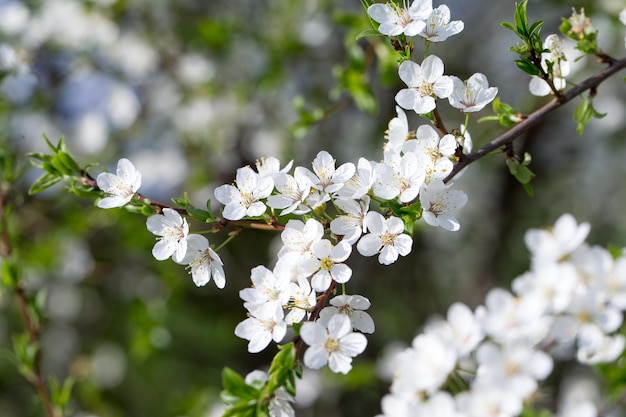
x: 536, y: 116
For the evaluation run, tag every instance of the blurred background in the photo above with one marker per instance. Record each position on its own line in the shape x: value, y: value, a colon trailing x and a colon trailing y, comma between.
x: 191, y: 90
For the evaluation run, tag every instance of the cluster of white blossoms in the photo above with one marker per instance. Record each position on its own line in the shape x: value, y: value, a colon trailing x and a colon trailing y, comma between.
x: 571, y: 300
x: 569, y: 304
x: 174, y: 239
x: 342, y: 207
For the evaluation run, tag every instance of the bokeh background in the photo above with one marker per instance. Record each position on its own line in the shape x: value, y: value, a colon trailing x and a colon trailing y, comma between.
x: 191, y: 90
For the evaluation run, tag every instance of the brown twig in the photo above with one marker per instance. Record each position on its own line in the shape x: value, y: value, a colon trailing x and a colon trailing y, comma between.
x: 536, y: 116
x: 32, y: 329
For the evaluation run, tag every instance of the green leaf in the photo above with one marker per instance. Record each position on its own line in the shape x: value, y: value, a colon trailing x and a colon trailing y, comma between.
x: 505, y: 114
x: 583, y: 114
x: 535, y: 28
x: 521, y: 171
x: 60, y: 394
x: 9, y: 273
x: 368, y: 32
x: 242, y: 409
x: 69, y: 162
x: 509, y: 26
x: 25, y: 353
x: 527, y: 66
x: 46, y: 181
x: 236, y: 387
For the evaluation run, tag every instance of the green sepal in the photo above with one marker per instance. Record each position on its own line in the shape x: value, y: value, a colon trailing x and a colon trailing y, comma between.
x: 83, y: 191
x: 147, y: 210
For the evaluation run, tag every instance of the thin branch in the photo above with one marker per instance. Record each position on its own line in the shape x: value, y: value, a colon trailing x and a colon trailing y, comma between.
x: 538, y: 115
x: 32, y: 329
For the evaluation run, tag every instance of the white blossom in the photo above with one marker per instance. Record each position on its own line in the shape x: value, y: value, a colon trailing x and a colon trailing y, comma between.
x: 425, y: 82
x: 325, y: 177
x: 395, y: 20
x: 244, y: 199
x: 473, y: 94
x: 399, y: 176
x: 385, y: 238
x: 261, y: 329
x: 203, y: 262
x: 120, y: 187
x: 334, y: 345
x: 325, y: 264
x: 173, y: 230
x: 353, y: 306
x: 439, y: 204
x: 269, y: 291
x: 293, y: 192
x: 439, y: 27
x: 351, y: 224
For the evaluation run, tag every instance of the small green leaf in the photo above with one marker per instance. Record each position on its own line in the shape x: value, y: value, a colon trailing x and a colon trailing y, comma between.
x: 368, y: 32
x: 46, y: 181
x: 535, y: 28
x: 521, y: 171
x: 527, y: 66
x: 236, y: 387
x: 68, y: 161
x: 9, y: 273
x: 60, y: 394
x: 242, y: 409
x: 583, y: 114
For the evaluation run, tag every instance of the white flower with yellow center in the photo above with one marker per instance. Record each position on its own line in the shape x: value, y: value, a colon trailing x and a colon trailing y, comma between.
x: 425, y: 82
x: 326, y: 264
x: 244, y: 199
x: 386, y: 238
x: 334, y: 345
